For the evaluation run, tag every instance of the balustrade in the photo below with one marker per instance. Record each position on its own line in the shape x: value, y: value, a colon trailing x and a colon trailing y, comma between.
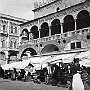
x: 3, y: 31
x: 60, y: 36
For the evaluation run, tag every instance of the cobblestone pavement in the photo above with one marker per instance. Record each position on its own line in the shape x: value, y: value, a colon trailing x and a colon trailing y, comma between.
x: 6, y: 84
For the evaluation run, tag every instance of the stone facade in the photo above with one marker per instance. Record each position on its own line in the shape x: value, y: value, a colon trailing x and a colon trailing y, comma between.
x: 9, y: 37
x: 61, y: 25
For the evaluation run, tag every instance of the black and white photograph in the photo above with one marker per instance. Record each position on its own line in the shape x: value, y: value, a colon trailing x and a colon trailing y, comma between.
x: 44, y: 44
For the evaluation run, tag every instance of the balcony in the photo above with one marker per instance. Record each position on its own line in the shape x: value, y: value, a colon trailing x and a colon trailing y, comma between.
x: 3, y: 32
x: 13, y: 49
x: 83, y: 31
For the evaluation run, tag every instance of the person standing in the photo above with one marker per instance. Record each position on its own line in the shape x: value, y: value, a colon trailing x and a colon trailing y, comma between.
x: 85, y: 78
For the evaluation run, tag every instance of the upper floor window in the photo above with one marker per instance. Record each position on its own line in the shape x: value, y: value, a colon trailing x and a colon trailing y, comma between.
x: 15, y: 29
x: 78, y: 44
x: 3, y: 43
x: 75, y: 45
x: 4, y: 27
x: 11, y: 44
x: 15, y: 44
x: 11, y: 29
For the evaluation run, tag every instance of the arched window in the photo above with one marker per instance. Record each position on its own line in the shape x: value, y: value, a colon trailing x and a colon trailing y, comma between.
x: 25, y: 34
x: 35, y: 32
x: 69, y: 24
x: 44, y: 30
x: 83, y: 19
x: 55, y: 27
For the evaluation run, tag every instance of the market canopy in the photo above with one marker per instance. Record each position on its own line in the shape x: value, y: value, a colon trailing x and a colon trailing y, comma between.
x: 39, y: 60
x: 83, y: 54
x: 85, y: 62
x: 65, y: 58
x: 10, y: 66
x: 23, y: 64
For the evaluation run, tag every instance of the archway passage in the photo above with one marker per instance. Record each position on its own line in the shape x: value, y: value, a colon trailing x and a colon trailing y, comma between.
x: 28, y: 52
x: 69, y: 24
x: 55, y: 27
x: 34, y: 31
x: 49, y: 48
x: 44, y: 30
x: 25, y: 33
x: 83, y: 19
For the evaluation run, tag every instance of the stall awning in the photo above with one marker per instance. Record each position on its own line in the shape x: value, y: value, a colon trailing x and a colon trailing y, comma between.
x: 23, y: 64
x: 83, y: 54
x: 39, y: 60
x: 65, y: 58
x: 10, y: 66
x: 85, y: 62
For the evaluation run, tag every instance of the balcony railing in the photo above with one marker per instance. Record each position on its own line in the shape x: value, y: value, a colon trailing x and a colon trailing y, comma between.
x: 12, y: 48
x: 83, y: 31
x: 3, y: 32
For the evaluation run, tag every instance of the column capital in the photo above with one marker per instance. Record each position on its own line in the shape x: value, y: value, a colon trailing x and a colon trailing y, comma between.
x: 61, y: 24
x: 75, y: 19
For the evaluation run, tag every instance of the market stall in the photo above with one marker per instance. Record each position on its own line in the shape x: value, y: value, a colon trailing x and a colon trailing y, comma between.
x: 10, y: 66
x: 84, y: 54
x: 65, y: 58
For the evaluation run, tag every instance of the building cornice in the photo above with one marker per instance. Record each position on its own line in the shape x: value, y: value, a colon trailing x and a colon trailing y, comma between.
x: 50, y: 14
x: 12, y: 18
x: 44, y: 5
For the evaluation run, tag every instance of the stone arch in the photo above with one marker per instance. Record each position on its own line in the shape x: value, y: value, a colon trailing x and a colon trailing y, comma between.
x: 69, y: 24
x: 44, y: 30
x: 35, y: 32
x: 30, y: 50
x: 83, y: 19
x: 49, y: 48
x: 55, y: 27
x: 25, y: 34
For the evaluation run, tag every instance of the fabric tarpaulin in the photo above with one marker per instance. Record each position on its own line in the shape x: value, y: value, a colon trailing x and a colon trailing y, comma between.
x: 39, y: 60
x: 10, y: 66
x: 83, y: 54
x: 23, y: 64
x: 64, y: 57
x: 85, y: 62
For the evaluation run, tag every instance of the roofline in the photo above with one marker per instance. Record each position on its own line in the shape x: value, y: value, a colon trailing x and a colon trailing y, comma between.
x: 48, y: 14
x: 9, y: 17
x: 44, y: 5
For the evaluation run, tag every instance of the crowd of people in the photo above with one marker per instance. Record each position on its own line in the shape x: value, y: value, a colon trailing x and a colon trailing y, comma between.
x: 64, y: 75
x: 61, y: 75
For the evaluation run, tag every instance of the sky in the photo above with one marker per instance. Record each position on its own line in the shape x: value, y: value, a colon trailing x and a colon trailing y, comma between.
x: 18, y: 8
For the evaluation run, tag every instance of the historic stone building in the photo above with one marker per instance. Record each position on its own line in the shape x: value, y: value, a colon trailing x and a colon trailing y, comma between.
x: 59, y: 26
x: 9, y: 37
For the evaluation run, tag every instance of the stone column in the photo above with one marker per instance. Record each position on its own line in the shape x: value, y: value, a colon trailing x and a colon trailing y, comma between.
x: 49, y: 30
x: 75, y: 24
x: 39, y: 33
x: 61, y: 28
